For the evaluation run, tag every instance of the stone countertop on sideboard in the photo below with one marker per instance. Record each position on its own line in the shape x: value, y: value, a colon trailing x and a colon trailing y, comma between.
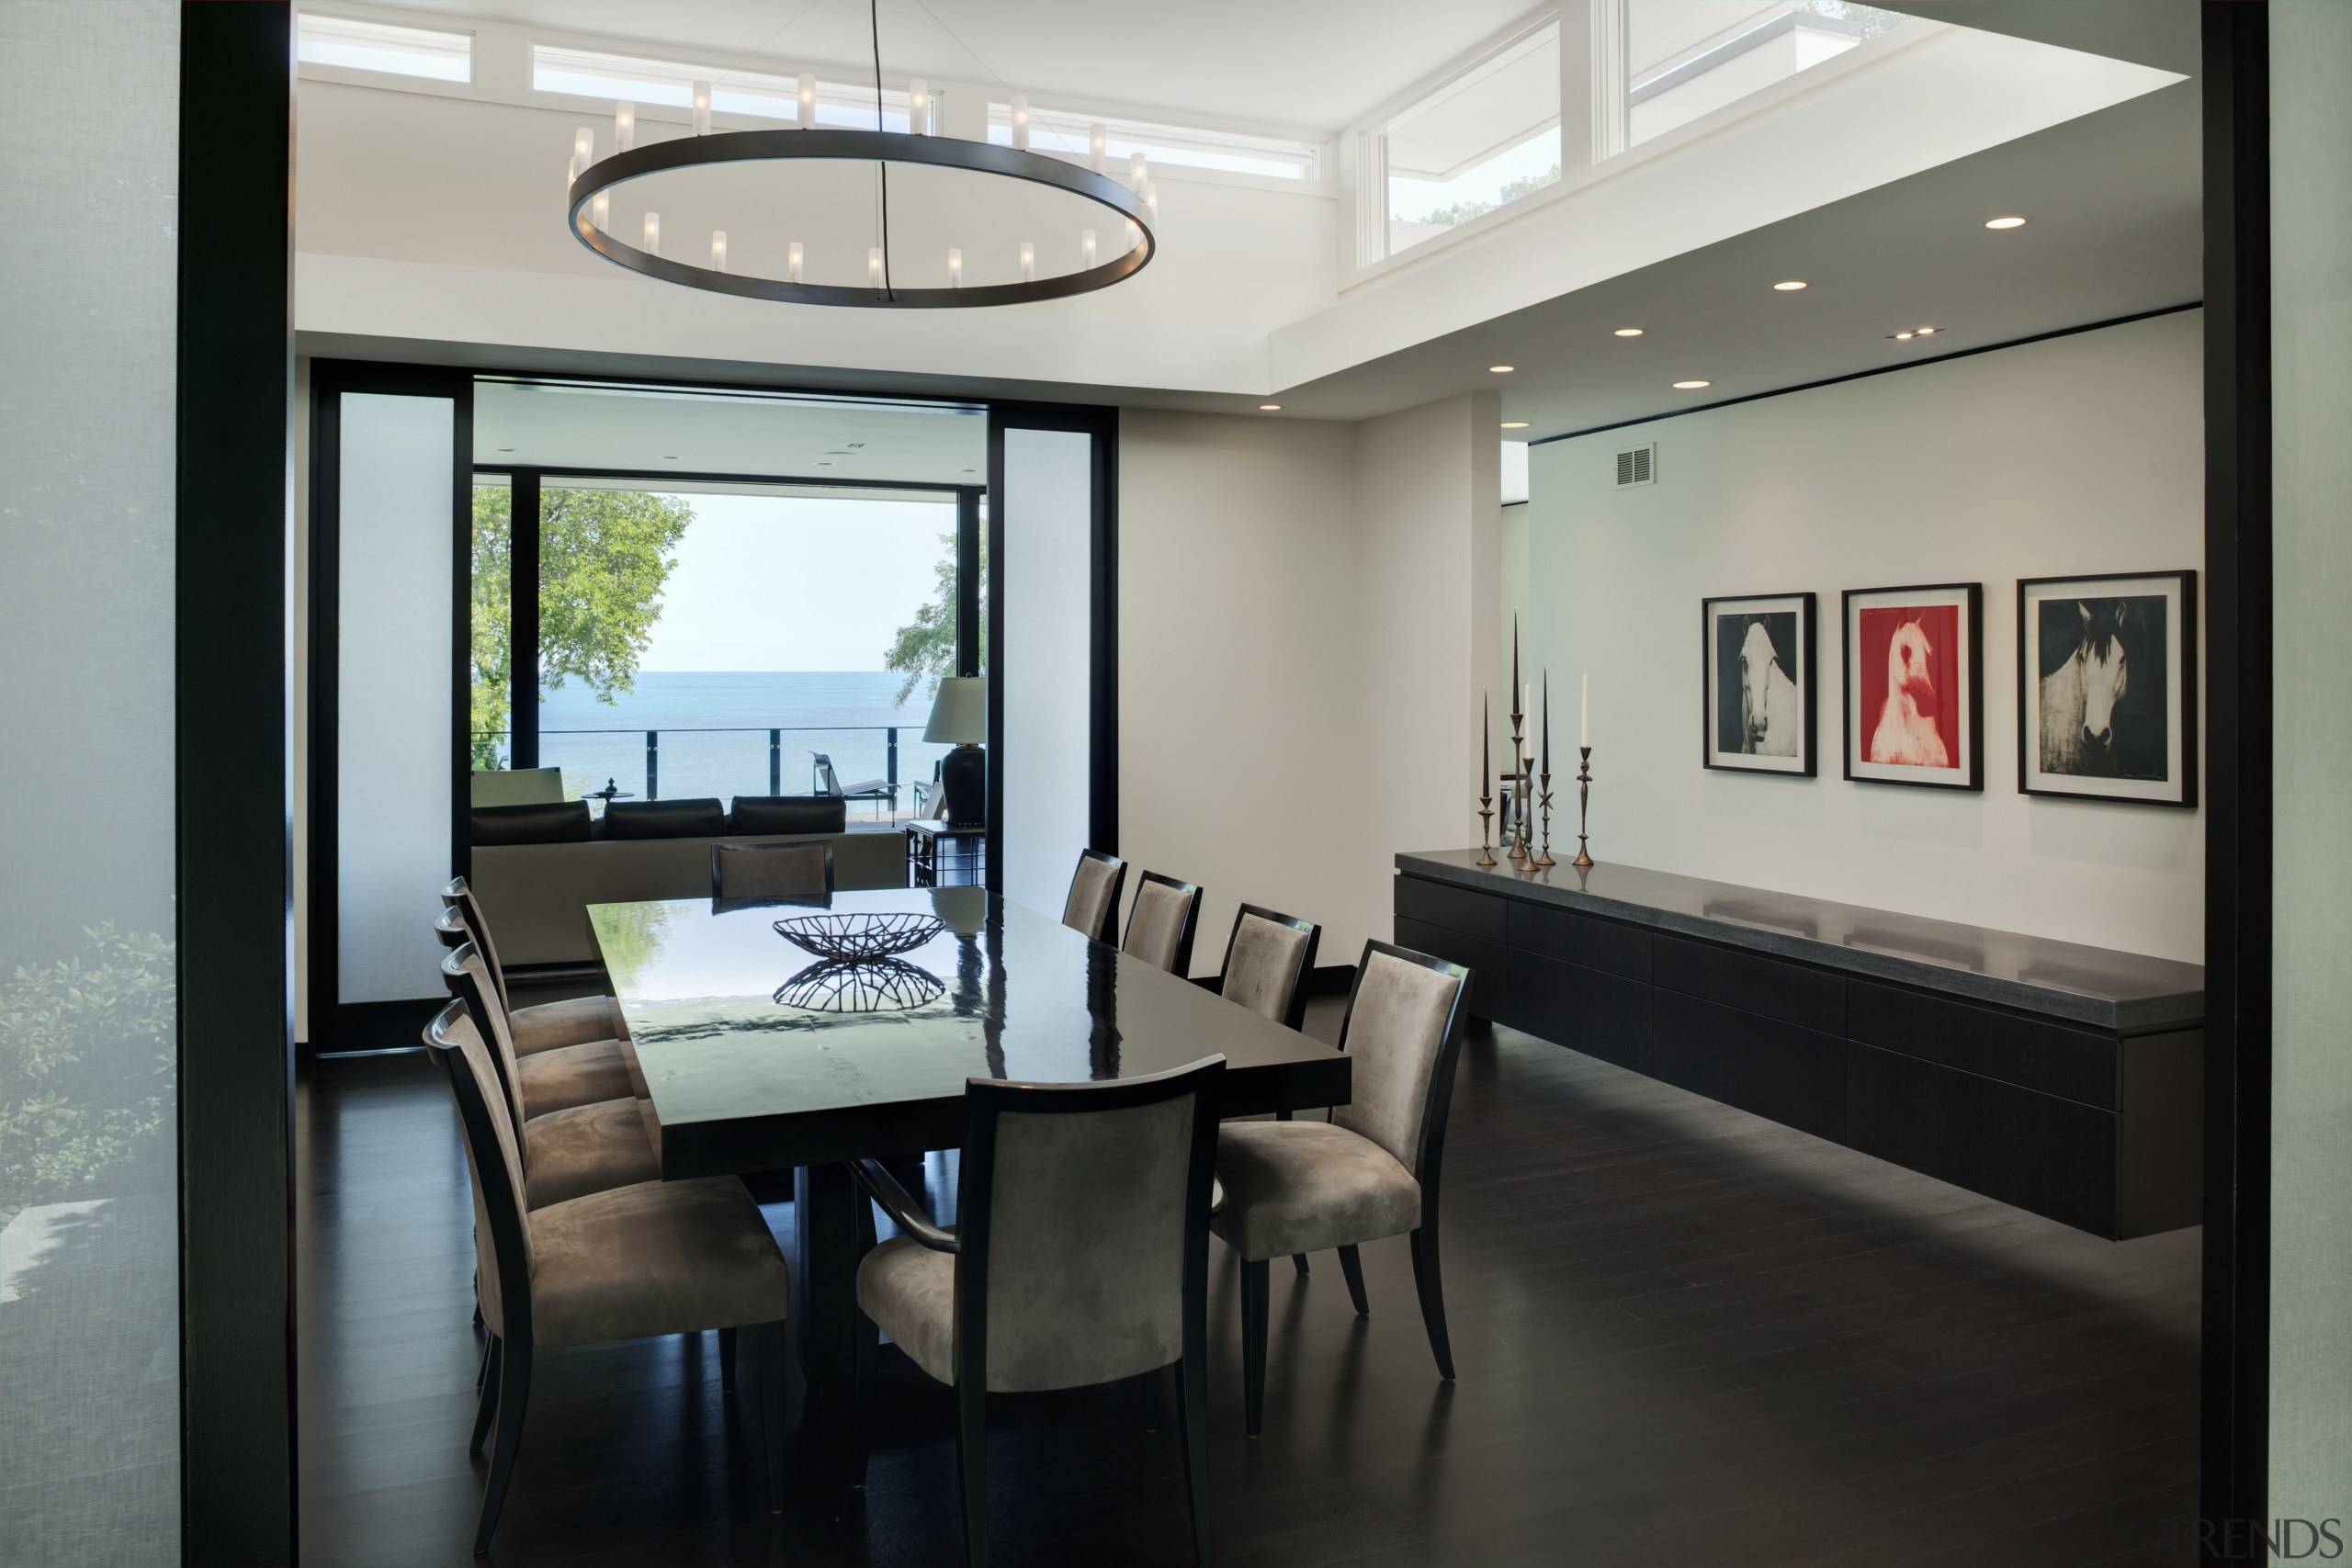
x: 2126, y: 992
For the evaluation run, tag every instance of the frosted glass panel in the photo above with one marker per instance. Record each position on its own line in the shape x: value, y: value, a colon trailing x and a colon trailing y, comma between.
x: 89, y: 1260
x: 1047, y: 646
x: 394, y: 719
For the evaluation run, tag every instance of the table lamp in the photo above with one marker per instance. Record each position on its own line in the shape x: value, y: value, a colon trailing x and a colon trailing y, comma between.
x: 959, y: 717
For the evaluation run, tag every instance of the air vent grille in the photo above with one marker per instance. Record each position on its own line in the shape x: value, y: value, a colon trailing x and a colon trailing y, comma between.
x: 1637, y: 466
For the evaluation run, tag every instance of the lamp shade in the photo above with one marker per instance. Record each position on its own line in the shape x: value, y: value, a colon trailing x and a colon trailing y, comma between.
x: 959, y: 714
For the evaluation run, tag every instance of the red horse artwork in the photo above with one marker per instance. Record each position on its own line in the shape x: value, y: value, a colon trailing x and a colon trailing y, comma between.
x: 1904, y: 663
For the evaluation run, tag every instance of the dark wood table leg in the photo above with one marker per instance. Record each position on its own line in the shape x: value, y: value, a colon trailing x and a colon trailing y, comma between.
x: 824, y: 1288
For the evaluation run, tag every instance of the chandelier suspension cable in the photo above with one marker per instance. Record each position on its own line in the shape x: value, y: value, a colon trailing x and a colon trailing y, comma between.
x: 874, y: 17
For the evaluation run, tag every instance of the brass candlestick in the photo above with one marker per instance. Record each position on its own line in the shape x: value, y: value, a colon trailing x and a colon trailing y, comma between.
x: 1584, y: 798
x: 1543, y: 800
x: 1485, y: 829
x: 1515, y: 819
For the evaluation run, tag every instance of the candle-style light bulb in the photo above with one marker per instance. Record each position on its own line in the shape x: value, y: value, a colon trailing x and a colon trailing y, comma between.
x: 1098, y: 142
x: 1020, y: 123
x: 874, y: 266
x: 652, y: 246
x: 600, y: 212
x: 792, y: 262
x: 954, y: 269
x: 1136, y: 170
x: 1135, y: 233
x: 808, y: 97
x: 1028, y: 262
x: 1086, y: 248
x: 572, y: 172
x: 918, y: 106
x: 624, y: 126
x: 719, y: 250
x: 584, y: 145
x: 702, y: 108
x: 1151, y: 200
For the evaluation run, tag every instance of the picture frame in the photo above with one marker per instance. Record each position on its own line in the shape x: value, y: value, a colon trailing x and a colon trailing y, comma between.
x: 1756, y: 663
x: 1914, y: 688
x: 2106, y: 687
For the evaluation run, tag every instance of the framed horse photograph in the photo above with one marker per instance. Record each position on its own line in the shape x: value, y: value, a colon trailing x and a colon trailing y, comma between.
x: 2106, y: 687
x: 1757, y: 656
x: 1915, y: 686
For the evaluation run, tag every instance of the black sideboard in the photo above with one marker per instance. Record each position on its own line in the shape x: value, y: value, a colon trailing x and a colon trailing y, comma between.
x: 2065, y: 1079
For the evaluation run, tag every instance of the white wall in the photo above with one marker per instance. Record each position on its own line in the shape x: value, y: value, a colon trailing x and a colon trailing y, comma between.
x: 1300, y: 611
x: 2310, y: 1143
x: 2079, y: 455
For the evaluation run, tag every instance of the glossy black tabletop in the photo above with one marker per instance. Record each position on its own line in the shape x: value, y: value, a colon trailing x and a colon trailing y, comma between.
x: 759, y: 1055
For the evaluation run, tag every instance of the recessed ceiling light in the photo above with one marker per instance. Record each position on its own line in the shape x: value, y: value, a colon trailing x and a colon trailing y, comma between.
x: 1514, y: 424
x: 1790, y: 286
x: 506, y: 448
x: 669, y: 457
x: 971, y: 470
x: 1927, y: 332
x: 824, y: 463
x: 1690, y: 386
x: 1629, y: 331
x: 1500, y: 370
x: 2004, y: 223
x: 1902, y: 337
x: 1270, y: 408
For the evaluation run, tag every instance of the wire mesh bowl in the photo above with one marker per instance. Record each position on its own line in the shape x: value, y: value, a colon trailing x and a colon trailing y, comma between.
x: 872, y: 985
x: 852, y: 938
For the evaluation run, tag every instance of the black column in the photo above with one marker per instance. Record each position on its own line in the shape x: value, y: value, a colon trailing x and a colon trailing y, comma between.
x: 2235, y: 1405
x: 967, y: 583
x: 523, y: 620
x: 233, y: 718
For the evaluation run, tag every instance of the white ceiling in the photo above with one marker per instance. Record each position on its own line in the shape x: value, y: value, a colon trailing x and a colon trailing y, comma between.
x: 1316, y: 64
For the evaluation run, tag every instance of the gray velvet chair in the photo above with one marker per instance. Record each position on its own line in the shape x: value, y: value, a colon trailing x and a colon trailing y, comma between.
x: 1160, y: 926
x: 552, y: 1079
x: 581, y: 1148
x: 1092, y: 906
x: 1267, y: 961
x: 1371, y: 1171
x: 653, y: 1257
x: 793, y: 872
x: 543, y: 1027
x: 1080, y: 1256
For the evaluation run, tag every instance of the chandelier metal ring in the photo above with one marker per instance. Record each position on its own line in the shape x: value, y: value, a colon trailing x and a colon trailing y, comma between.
x: 858, y: 146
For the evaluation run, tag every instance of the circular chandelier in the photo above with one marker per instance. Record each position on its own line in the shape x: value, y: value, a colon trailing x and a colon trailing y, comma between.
x: 592, y: 182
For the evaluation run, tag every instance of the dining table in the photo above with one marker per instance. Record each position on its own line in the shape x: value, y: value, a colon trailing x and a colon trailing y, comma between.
x: 761, y: 1052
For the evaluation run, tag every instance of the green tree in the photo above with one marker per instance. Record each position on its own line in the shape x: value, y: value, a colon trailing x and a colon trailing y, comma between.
x: 604, y: 555
x: 924, y: 650
x: 1462, y: 211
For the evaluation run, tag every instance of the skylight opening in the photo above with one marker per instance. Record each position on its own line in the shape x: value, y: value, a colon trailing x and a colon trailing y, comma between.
x: 396, y: 50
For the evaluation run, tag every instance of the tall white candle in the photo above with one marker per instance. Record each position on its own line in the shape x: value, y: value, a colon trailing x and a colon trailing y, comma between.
x: 1583, y: 724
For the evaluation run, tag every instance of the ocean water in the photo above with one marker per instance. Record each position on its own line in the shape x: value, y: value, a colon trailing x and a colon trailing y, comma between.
x: 713, y: 729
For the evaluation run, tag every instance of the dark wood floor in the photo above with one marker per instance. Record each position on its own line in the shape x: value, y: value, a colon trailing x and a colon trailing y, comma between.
x: 1684, y: 1335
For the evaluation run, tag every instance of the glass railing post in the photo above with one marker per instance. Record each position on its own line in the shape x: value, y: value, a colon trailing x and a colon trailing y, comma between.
x: 891, y: 771
x: 775, y: 762
x: 652, y: 764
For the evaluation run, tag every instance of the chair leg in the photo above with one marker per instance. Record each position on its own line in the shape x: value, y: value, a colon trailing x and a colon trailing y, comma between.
x: 482, y: 1367
x: 1147, y: 1386
x: 771, y: 1349
x: 513, y: 1399
x: 1193, y: 1421
x: 1432, y: 1292
x: 865, y: 1345
x: 1254, y: 1282
x: 1298, y: 1261
x: 1351, y: 1265
x: 486, y: 1397
x: 726, y: 1363
x: 972, y: 1457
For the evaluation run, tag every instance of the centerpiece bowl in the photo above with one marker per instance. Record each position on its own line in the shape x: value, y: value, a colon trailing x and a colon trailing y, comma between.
x: 857, y: 938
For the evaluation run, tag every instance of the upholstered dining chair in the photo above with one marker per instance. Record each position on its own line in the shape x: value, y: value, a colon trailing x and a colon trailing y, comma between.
x: 1267, y: 960
x: 1092, y: 906
x: 543, y: 1027
x: 1080, y: 1256
x: 581, y: 1148
x: 1371, y: 1171
x: 1160, y: 927
x: 554, y: 1079
x: 792, y: 873
x: 648, y: 1258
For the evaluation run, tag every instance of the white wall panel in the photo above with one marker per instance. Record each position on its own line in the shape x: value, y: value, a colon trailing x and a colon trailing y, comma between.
x: 393, y: 693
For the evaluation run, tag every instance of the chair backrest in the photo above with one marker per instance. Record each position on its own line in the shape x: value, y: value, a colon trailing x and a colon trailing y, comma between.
x: 1083, y: 1221
x: 1093, y: 903
x: 802, y: 871
x: 1403, y: 1030
x: 518, y: 786
x: 822, y: 780
x: 459, y: 896
x: 503, y: 1259
x: 1160, y: 926
x: 1267, y: 961
x: 467, y: 977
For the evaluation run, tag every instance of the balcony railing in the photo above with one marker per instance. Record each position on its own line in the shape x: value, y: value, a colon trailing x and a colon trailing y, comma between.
x: 683, y: 763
